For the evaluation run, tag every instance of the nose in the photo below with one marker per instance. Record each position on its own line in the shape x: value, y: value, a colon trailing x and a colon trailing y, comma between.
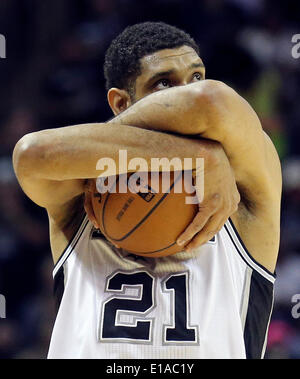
x: 183, y: 82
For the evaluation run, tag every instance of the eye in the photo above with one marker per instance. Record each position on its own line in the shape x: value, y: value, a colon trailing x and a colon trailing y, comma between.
x: 162, y: 84
x: 197, y: 76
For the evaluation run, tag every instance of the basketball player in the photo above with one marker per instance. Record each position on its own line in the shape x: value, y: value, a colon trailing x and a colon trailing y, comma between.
x: 212, y: 300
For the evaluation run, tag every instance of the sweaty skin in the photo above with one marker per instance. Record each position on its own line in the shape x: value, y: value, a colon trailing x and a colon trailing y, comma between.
x: 171, y: 96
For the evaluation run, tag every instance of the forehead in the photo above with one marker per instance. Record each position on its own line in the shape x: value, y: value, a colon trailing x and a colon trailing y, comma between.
x: 178, y: 58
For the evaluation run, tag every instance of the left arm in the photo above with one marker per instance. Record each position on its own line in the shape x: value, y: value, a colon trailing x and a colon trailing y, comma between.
x: 213, y: 110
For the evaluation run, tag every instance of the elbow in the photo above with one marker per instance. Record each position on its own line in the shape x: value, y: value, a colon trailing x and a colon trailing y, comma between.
x: 209, y: 105
x: 210, y: 93
x: 26, y: 155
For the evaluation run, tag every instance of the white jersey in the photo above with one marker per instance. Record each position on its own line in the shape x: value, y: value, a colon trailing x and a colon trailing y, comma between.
x: 214, y: 302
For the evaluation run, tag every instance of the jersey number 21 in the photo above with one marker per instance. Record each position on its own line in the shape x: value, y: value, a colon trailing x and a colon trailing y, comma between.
x: 124, y: 314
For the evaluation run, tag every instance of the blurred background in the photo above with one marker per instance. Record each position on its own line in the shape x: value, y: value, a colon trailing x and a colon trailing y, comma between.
x: 52, y: 77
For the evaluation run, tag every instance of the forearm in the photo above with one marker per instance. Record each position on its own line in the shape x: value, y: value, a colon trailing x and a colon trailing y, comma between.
x: 199, y: 109
x: 73, y: 152
x: 212, y: 110
x: 171, y: 110
x: 208, y: 108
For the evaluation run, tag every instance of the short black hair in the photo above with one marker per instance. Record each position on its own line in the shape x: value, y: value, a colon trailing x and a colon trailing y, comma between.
x: 122, y: 59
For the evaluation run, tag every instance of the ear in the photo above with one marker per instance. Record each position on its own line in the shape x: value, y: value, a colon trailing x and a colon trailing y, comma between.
x: 118, y: 100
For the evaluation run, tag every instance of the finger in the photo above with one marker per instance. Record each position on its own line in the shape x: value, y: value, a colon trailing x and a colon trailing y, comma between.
x: 205, y: 212
x: 196, y: 225
x: 90, y: 186
x: 236, y: 201
x: 89, y: 209
x: 211, y: 228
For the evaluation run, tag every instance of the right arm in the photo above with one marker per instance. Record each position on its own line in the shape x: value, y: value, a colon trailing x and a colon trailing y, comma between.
x: 53, y: 167
x: 60, y: 160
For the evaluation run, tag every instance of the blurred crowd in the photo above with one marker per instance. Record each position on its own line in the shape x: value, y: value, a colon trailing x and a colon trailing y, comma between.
x: 53, y: 77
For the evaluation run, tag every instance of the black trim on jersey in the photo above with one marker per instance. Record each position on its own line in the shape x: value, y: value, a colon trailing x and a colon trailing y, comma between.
x: 59, y: 277
x: 59, y: 287
x: 245, y: 249
x: 71, y: 241
x: 259, y: 312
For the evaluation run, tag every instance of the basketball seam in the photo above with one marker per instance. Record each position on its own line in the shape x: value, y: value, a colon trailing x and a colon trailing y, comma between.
x: 143, y: 219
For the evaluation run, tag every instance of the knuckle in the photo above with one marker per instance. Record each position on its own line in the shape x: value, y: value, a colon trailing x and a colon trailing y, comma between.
x: 198, y: 220
x: 216, y: 197
x: 197, y: 225
x: 237, y: 197
x: 231, y: 209
x: 215, y: 201
x: 233, y: 206
x: 236, y: 207
x: 225, y: 210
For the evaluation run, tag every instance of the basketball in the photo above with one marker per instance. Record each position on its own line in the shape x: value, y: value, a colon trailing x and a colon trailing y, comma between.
x: 149, y: 220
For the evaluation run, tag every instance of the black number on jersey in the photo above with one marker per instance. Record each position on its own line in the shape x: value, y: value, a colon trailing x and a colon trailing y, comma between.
x: 177, y: 285
x: 139, y: 305
x: 134, y: 297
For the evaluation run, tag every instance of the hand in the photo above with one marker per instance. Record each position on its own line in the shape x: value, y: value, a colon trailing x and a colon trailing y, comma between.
x: 220, y: 201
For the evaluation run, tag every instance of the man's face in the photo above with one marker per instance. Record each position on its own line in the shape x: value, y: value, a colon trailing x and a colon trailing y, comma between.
x: 168, y: 68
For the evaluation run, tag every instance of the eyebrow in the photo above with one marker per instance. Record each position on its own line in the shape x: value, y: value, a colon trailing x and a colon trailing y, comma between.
x: 172, y: 71
x: 196, y: 65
